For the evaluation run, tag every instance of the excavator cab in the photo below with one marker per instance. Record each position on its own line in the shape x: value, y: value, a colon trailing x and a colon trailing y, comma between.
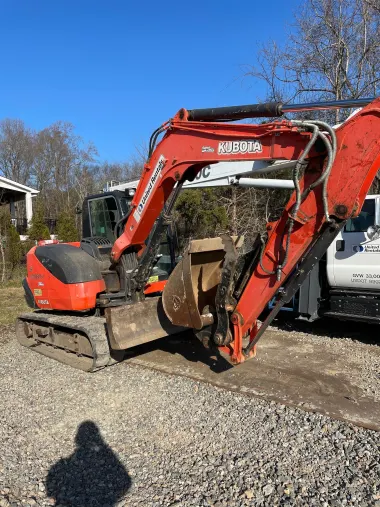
x: 101, y: 213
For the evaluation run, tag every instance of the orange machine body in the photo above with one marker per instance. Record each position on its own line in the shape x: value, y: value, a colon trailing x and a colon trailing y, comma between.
x: 49, y: 293
x: 314, y: 213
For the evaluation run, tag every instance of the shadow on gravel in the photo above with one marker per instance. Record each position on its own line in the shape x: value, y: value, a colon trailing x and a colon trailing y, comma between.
x: 186, y: 345
x: 92, y: 476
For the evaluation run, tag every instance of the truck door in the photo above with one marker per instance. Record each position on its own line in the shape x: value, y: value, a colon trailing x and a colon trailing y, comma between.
x: 353, y: 259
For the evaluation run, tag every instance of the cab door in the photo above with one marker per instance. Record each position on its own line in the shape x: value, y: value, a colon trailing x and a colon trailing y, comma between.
x: 353, y: 259
x: 103, y: 214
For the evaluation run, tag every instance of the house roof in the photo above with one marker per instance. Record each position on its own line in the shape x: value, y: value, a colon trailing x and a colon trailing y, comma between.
x: 13, y: 186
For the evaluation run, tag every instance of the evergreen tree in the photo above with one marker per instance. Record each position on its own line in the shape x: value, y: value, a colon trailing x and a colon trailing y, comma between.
x: 38, y: 229
x: 199, y: 214
x: 66, y: 228
x: 10, y: 251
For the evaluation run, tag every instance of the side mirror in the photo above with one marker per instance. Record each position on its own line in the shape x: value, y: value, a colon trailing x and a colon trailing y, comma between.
x: 373, y: 232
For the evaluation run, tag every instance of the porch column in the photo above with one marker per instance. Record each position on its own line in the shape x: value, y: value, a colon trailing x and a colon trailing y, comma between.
x: 12, y: 207
x: 28, y: 206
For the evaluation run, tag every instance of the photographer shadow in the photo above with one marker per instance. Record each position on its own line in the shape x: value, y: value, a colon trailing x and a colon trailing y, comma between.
x: 92, y: 476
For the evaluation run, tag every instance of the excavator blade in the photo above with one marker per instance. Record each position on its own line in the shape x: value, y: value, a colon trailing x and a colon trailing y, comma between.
x: 135, y: 324
x: 189, y: 295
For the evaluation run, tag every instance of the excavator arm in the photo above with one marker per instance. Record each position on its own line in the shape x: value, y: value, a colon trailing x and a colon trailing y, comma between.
x: 222, y: 295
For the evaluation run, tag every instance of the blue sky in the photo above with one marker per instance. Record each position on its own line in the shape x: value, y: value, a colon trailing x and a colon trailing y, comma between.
x: 118, y: 69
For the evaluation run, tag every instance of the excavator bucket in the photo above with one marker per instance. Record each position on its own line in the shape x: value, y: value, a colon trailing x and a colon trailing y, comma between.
x: 187, y: 301
x: 189, y: 295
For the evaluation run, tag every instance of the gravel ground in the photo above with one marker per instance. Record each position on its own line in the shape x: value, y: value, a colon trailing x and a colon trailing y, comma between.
x: 356, y: 344
x: 135, y: 437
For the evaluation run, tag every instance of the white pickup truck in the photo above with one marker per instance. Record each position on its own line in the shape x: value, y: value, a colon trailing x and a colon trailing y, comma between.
x: 346, y: 283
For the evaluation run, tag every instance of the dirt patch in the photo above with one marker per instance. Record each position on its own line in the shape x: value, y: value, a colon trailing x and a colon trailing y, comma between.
x: 336, y: 377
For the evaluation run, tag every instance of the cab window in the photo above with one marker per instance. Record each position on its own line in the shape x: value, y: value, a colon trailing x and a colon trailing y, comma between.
x: 125, y: 204
x: 164, y: 263
x: 365, y: 219
x: 103, y: 217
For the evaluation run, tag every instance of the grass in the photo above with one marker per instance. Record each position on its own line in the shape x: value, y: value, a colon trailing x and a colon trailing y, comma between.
x: 15, y: 280
x: 12, y: 303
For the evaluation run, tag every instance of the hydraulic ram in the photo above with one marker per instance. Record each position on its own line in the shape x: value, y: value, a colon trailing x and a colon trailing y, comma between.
x: 269, y: 109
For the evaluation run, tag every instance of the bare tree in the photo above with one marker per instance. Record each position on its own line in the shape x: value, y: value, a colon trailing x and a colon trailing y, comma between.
x: 142, y: 153
x: 61, y: 166
x: 374, y: 4
x: 249, y: 210
x: 17, y: 150
x: 332, y: 52
x: 118, y: 171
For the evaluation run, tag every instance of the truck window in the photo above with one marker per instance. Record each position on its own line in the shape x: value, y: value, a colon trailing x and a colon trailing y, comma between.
x: 364, y: 220
x: 103, y: 217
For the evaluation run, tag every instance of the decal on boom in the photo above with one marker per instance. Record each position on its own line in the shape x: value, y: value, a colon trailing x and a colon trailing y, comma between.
x: 229, y: 147
x: 148, y: 189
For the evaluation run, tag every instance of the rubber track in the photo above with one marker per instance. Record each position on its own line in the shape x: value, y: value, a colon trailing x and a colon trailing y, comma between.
x: 94, y: 328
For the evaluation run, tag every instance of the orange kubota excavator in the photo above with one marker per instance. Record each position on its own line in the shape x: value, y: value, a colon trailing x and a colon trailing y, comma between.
x: 90, y: 295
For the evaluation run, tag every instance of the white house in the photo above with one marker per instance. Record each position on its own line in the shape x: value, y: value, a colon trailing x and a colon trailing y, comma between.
x: 12, y: 192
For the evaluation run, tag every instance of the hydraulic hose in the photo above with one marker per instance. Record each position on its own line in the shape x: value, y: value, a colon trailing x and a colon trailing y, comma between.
x: 331, y: 147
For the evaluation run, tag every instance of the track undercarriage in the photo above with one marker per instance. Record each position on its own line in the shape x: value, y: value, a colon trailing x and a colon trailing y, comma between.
x: 80, y: 342
x: 91, y: 343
